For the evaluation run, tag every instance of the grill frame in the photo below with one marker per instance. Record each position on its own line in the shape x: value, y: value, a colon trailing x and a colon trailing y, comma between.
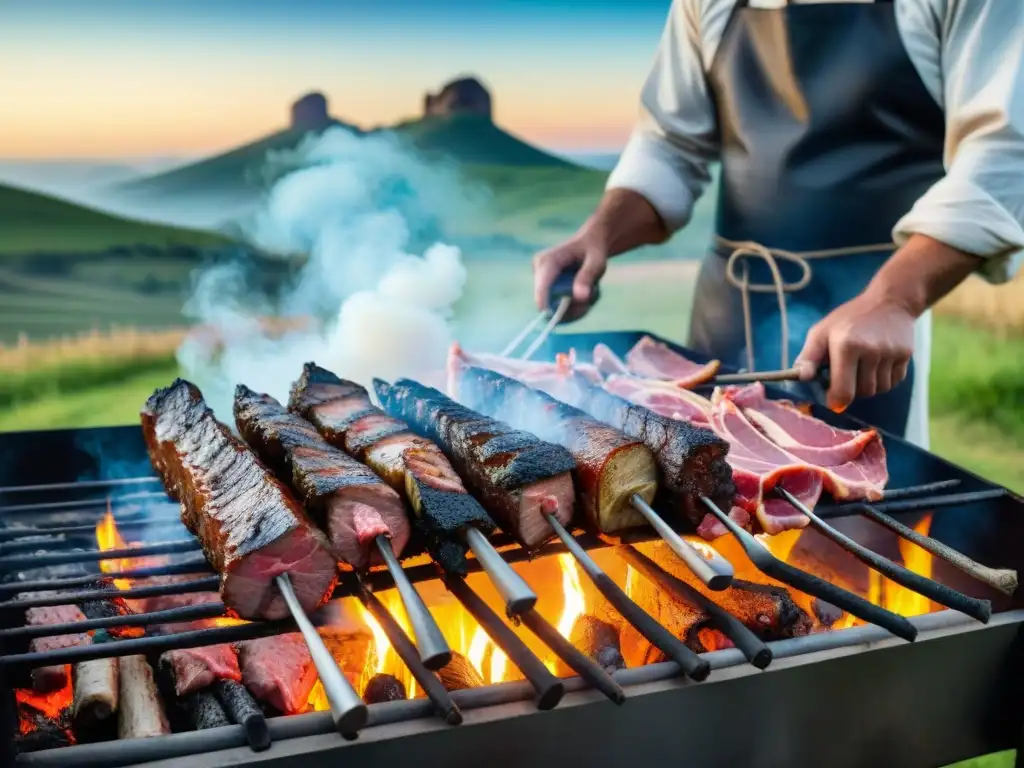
x: 983, y: 530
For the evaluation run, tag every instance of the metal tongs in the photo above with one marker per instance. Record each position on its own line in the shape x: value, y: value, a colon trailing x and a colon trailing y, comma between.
x: 559, y: 301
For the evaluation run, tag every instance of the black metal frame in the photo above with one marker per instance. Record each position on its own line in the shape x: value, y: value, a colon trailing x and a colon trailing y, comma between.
x: 986, y: 527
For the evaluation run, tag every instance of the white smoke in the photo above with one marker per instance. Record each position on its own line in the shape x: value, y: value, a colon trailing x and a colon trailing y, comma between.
x: 370, y: 216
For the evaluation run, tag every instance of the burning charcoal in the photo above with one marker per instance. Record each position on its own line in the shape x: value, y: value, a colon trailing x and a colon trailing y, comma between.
x: 825, y: 612
x: 278, y: 671
x: 768, y: 611
x: 115, y: 605
x: 203, y: 711
x: 44, y: 722
x: 459, y: 674
x: 240, y: 706
x: 384, y: 688
x: 95, y: 685
x: 599, y: 640
x: 141, y: 710
x: 39, y: 732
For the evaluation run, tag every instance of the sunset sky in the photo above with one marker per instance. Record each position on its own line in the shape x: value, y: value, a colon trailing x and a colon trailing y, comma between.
x: 139, y: 78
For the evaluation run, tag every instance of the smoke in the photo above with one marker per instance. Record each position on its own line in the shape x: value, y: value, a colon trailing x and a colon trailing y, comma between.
x: 370, y: 217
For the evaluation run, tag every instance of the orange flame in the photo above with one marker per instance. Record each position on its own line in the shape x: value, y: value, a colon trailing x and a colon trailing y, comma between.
x: 51, y: 705
x: 899, y: 599
x: 108, y: 538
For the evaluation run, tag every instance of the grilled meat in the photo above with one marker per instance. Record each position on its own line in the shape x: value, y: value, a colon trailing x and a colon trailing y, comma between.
x: 278, y: 670
x: 250, y: 526
x: 353, y: 504
x: 610, y: 467
x: 192, y: 669
x: 516, y: 476
x: 53, y: 678
x: 411, y: 464
x: 692, y: 459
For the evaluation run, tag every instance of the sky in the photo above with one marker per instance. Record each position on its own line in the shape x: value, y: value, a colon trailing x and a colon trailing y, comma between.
x: 124, y: 79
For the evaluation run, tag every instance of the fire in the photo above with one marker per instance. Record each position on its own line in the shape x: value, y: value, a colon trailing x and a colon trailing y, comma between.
x: 108, y: 537
x: 227, y: 621
x: 572, y: 591
x: 899, y: 599
x: 51, y: 705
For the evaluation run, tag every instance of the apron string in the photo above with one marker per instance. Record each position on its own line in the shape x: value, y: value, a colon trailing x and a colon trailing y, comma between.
x: 778, y: 286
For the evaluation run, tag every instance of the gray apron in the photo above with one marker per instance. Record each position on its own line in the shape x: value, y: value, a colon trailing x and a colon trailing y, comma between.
x: 828, y: 136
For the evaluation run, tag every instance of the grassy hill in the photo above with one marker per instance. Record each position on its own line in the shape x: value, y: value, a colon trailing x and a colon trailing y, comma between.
x: 475, y: 139
x: 31, y: 222
x: 233, y: 171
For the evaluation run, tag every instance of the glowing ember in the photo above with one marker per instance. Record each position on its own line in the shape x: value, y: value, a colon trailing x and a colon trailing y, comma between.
x: 51, y: 705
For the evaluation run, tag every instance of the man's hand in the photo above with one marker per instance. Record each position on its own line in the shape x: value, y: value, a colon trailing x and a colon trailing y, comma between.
x: 624, y: 220
x: 867, y: 343
x: 592, y: 258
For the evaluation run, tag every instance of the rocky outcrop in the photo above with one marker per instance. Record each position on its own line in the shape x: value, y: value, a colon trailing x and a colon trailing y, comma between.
x: 467, y: 95
x: 309, y: 113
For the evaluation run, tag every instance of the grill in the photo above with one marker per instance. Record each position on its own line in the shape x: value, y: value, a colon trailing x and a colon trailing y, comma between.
x: 862, y: 695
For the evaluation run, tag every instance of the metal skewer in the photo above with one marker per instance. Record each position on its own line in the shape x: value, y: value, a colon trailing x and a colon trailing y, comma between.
x: 771, y: 566
x: 689, y: 662
x: 978, y: 609
x: 348, y: 710
x: 1002, y: 579
x: 432, y: 647
x: 519, y: 597
x: 822, y: 377
x: 715, y: 573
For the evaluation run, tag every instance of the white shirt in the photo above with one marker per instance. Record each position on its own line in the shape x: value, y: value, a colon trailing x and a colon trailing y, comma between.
x: 969, y: 55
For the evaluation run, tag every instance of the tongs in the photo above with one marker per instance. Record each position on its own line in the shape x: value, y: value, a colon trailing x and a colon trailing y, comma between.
x: 559, y: 301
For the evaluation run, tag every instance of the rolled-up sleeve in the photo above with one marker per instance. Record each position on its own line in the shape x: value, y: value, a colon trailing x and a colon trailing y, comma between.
x: 978, y: 206
x: 667, y: 158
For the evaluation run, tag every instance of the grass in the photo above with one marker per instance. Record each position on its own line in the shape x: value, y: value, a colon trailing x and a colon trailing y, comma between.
x: 31, y: 222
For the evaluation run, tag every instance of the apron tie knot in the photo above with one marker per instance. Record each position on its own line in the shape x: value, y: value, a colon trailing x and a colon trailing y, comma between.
x: 741, y: 250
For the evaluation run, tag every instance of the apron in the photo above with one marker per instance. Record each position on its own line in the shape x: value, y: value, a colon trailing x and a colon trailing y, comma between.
x: 828, y: 136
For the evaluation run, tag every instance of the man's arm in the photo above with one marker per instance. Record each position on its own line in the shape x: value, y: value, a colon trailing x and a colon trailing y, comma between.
x: 663, y: 169
x: 971, y: 220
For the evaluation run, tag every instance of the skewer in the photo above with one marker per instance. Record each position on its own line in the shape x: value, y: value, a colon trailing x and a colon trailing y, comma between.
x: 575, y: 659
x: 548, y: 687
x: 75, y: 486
x: 715, y: 573
x: 822, y: 377
x: 771, y: 566
x: 406, y: 651
x: 753, y: 648
x: 348, y: 710
x: 689, y: 662
x: 559, y: 301
x: 915, y: 505
x: 432, y: 646
x: 939, y: 593
x: 1002, y: 579
x: 519, y: 597
x: 100, y: 502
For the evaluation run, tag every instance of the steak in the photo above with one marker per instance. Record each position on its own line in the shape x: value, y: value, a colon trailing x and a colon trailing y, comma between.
x: 249, y: 525
x: 278, y: 670
x: 354, y: 505
x: 515, y: 475
x: 411, y: 464
x: 610, y: 467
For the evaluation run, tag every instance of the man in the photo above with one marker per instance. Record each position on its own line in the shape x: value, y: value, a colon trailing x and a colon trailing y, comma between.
x: 872, y: 157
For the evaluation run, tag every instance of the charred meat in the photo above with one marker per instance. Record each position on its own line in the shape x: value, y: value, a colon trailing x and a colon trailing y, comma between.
x: 250, y: 526
x: 411, y: 464
x: 352, y: 503
x: 516, y: 476
x: 279, y: 671
x: 610, y: 467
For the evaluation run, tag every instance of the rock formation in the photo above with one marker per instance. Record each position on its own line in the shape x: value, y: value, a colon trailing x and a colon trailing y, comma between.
x: 466, y: 95
x: 309, y: 113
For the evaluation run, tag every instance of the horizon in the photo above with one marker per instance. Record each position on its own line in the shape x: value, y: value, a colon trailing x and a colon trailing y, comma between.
x: 122, y: 83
